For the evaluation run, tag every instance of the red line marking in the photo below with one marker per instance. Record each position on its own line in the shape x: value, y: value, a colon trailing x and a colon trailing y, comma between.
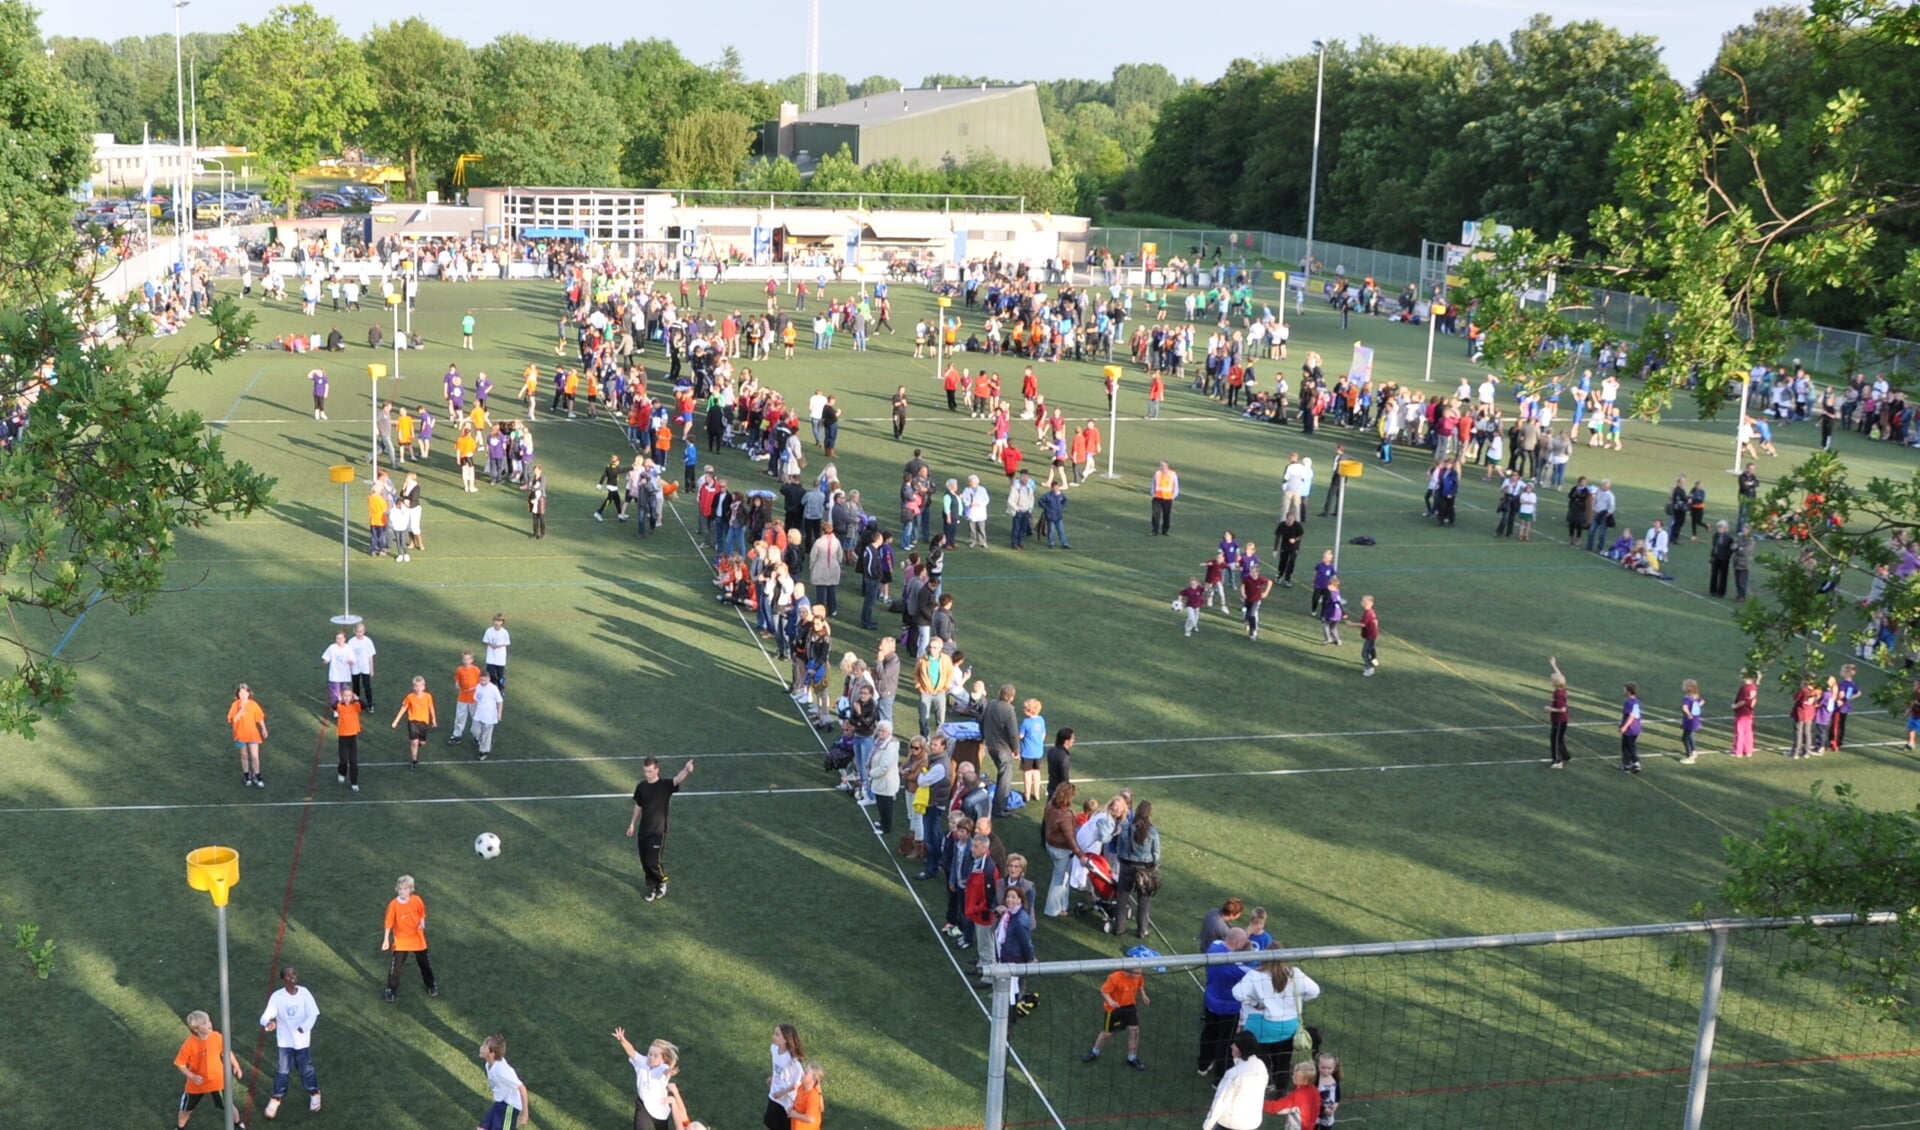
x: 286, y: 908
x: 1425, y: 1092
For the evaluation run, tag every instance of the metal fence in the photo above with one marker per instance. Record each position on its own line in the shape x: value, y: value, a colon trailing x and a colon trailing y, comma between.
x: 1671, y: 1024
x: 1825, y: 351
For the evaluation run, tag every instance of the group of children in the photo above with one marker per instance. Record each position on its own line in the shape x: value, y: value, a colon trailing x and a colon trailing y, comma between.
x: 1819, y: 713
x: 1326, y: 605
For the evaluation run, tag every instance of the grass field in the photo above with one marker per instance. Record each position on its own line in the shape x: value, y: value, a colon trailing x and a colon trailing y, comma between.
x: 1410, y: 805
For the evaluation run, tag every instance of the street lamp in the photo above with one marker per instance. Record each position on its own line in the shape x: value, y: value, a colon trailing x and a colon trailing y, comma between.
x: 343, y: 474
x: 216, y: 870
x: 1313, y: 175
x: 182, y: 229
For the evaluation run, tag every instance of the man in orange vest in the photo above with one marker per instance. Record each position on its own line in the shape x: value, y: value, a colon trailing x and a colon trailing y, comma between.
x: 1166, y: 488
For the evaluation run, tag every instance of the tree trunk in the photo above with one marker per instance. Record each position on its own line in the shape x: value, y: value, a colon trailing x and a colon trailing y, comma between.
x: 413, y: 173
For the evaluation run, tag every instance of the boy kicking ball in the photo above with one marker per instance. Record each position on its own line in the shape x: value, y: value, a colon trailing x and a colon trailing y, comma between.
x: 1120, y: 992
x: 1192, y: 599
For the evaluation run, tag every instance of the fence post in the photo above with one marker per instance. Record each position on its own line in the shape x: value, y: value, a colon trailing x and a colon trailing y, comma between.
x: 1703, y: 1036
x: 997, y: 1053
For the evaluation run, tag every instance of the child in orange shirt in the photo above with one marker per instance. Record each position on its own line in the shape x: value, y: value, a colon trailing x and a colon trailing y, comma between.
x: 809, y: 1107
x: 417, y: 709
x: 346, y: 715
x: 465, y: 678
x: 1120, y: 992
x: 249, y: 730
x: 406, y: 933
x: 199, y: 1059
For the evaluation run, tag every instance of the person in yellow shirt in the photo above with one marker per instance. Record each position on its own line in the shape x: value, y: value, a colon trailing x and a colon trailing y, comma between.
x: 417, y: 709
x: 463, y: 449
x: 403, y: 428
x: 530, y: 388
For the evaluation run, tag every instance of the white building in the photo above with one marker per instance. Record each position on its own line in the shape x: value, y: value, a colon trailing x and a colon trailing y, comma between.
x: 121, y: 169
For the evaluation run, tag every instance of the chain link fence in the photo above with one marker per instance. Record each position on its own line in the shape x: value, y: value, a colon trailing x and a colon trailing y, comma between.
x: 1824, y: 351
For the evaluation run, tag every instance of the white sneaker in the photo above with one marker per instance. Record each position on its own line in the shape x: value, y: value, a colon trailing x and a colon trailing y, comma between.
x: 273, y: 1107
x: 340, y: 777
x: 313, y: 1104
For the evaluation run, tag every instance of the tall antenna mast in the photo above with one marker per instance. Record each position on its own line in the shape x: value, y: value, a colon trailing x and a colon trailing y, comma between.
x: 813, y: 56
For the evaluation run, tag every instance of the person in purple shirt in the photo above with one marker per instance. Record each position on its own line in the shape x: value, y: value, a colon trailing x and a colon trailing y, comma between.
x: 447, y: 382
x: 1323, y: 575
x: 457, y: 399
x: 423, y: 434
x: 319, y: 393
x: 1630, y: 730
x: 482, y: 389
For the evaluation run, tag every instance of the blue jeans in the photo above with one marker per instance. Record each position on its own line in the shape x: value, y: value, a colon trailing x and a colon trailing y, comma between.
x: 862, y: 750
x: 883, y: 708
x: 921, y: 636
x: 1597, y: 536
x: 935, y: 838
x: 869, y: 592
x: 291, y: 1059
x: 1057, y: 530
x: 1559, y: 474
x: 1022, y: 527
x: 833, y: 436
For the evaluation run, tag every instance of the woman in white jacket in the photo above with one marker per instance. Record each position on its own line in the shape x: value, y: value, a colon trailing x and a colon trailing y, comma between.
x: 1271, y: 995
x: 1242, y: 1091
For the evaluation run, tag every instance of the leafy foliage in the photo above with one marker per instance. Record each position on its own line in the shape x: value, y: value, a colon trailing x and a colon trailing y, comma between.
x: 1838, y: 857
x: 423, y: 113
x: 106, y: 472
x: 34, y: 953
x: 290, y: 88
x: 540, y: 119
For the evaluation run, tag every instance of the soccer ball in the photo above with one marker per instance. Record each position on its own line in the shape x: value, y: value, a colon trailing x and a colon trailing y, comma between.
x: 486, y: 845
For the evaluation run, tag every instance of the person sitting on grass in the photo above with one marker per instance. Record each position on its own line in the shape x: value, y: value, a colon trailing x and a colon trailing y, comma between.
x: 1622, y: 546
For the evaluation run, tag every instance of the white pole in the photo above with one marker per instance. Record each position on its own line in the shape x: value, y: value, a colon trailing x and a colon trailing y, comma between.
x: 1113, y: 427
x: 180, y: 125
x: 396, y: 339
x: 1739, y: 449
x: 1313, y: 176
x: 1339, y: 514
x: 226, y: 1021
x: 1431, y: 323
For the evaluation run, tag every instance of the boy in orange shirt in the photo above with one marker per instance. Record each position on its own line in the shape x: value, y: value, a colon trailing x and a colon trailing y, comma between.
x: 417, y: 709
x: 406, y: 933
x: 377, y: 507
x: 346, y: 715
x: 1120, y: 992
x: 465, y: 678
x: 200, y: 1060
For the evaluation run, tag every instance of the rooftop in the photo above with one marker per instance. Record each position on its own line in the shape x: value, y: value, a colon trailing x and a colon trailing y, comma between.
x: 898, y: 105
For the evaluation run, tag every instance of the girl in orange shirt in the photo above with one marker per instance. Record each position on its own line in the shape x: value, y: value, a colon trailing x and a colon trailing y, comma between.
x: 249, y: 724
x: 406, y: 933
x: 463, y: 449
x: 808, y: 1104
x: 346, y: 716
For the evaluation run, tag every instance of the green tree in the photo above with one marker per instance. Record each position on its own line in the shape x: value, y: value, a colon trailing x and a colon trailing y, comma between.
x: 872, y: 85
x: 1834, y: 856
x: 837, y: 172
x: 423, y: 113
x: 94, y: 492
x: 539, y: 120
x: 771, y: 175
x: 706, y: 149
x: 106, y: 80
x: 290, y: 88
x: 1145, y: 84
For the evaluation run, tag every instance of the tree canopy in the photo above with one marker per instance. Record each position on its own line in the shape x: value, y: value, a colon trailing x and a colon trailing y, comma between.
x: 106, y: 472
x: 290, y: 88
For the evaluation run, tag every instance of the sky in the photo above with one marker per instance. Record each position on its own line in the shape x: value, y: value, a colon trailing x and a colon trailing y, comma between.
x: 900, y: 40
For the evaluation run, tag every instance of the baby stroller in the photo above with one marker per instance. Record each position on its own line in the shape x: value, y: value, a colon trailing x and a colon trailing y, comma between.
x: 1095, y: 876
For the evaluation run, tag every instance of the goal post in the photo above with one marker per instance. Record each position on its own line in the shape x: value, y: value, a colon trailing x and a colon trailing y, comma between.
x: 1587, y: 1028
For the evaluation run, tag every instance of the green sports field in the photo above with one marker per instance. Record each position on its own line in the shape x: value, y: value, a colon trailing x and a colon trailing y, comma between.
x: 1410, y: 805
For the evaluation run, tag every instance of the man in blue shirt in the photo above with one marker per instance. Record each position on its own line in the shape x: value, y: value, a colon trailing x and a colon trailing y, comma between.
x: 1222, y: 1012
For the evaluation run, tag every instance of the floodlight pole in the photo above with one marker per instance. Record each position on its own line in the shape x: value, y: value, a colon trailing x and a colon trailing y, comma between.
x: 1313, y: 176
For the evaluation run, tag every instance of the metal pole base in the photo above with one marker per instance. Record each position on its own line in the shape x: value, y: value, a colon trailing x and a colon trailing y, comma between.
x: 346, y: 619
